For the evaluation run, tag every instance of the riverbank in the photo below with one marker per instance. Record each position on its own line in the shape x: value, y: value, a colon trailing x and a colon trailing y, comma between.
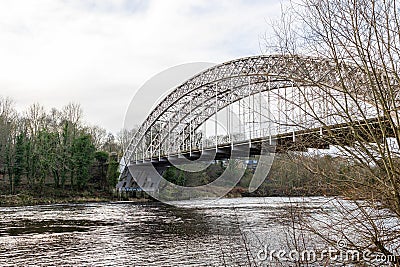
x: 67, y: 196
x: 51, y: 195
x: 27, y: 200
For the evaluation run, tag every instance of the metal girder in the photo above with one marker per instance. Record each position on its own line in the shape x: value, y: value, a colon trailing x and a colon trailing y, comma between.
x: 175, y: 119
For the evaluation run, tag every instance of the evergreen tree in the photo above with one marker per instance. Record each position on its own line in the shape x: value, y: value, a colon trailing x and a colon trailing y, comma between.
x: 101, y: 168
x: 19, y: 161
x: 170, y: 174
x: 112, y: 172
x: 83, y: 151
x: 181, y: 180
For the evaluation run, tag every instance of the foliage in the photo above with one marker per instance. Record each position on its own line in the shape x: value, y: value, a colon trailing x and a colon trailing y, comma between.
x: 112, y: 171
x: 40, y: 149
x: 82, y: 158
x: 362, y: 42
x: 101, y: 156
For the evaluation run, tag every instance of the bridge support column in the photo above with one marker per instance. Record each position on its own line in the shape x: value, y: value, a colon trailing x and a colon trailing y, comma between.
x: 216, y: 118
x: 269, y: 110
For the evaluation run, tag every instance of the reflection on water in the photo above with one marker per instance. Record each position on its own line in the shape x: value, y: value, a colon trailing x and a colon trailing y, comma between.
x: 196, y: 233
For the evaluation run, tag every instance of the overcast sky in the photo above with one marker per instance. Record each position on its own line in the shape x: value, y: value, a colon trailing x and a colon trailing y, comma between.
x: 99, y: 52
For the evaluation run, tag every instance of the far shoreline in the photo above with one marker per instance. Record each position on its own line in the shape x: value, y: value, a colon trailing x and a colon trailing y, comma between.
x: 22, y: 200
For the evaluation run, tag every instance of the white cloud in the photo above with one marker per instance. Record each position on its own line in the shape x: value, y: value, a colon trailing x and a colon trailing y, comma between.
x: 98, y: 52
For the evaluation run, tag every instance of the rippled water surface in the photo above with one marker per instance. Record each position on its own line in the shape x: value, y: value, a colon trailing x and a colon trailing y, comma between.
x: 197, y: 233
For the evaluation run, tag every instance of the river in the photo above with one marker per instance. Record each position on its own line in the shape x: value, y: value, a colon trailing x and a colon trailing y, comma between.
x: 227, y: 232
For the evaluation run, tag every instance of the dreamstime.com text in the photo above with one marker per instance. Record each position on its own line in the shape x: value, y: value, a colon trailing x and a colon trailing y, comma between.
x: 331, y: 254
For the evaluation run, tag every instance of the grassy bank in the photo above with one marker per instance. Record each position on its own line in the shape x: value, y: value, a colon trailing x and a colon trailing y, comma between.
x: 28, y: 200
x: 51, y: 195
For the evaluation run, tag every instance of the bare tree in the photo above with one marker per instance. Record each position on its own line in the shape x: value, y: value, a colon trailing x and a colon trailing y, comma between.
x: 36, y: 118
x: 124, y: 137
x: 72, y: 113
x: 354, y: 108
x: 8, y: 117
x: 98, y: 135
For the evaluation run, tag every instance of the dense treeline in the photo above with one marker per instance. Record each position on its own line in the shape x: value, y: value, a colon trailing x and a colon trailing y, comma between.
x: 39, y: 148
x: 288, y: 176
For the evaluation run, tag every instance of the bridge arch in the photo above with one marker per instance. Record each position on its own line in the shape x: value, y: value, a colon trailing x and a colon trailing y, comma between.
x: 175, y: 119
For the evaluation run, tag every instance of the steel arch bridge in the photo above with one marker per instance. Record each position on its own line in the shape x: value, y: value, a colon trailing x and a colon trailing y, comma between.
x: 254, y: 96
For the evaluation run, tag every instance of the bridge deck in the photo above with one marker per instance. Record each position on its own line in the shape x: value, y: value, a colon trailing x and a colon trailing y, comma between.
x: 318, y: 138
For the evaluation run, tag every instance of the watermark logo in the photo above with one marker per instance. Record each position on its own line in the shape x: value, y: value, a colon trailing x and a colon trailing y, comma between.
x: 339, y: 254
x: 168, y: 107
